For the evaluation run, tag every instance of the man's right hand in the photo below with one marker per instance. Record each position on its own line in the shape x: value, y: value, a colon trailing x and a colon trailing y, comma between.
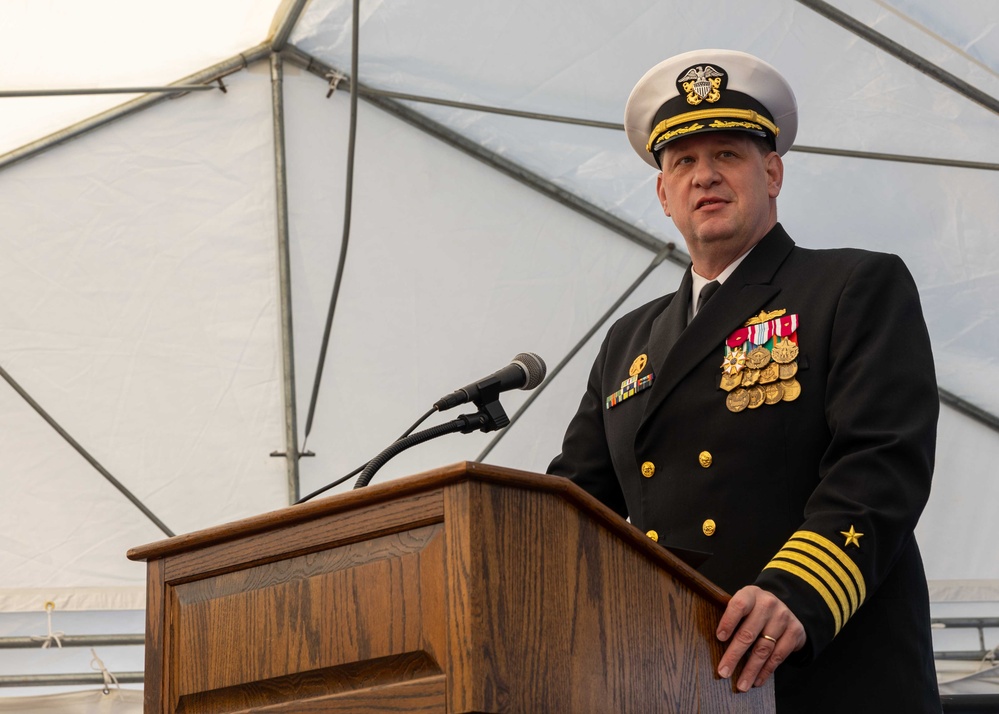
x: 763, y: 627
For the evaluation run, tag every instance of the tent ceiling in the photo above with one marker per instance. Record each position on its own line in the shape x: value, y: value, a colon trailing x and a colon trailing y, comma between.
x: 144, y: 310
x: 63, y: 44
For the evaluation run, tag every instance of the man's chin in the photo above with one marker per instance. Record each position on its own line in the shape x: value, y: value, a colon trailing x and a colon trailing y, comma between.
x: 715, y: 230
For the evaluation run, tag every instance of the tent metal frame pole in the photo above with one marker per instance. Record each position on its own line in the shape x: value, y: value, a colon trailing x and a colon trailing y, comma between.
x: 664, y: 254
x: 576, y: 121
x: 291, y: 452
x: 969, y: 410
x: 487, y: 109
x: 84, y: 453
x: 59, y: 680
x: 175, y: 89
x: 211, y: 74
x: 503, y: 165
x: 27, y: 643
x: 899, y: 158
x: 902, y: 53
x: 284, y: 22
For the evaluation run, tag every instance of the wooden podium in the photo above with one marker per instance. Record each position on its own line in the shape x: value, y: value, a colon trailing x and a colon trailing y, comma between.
x: 470, y: 588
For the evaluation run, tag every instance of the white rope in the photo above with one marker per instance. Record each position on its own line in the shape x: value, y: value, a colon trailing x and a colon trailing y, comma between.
x: 989, y: 660
x: 51, y: 637
x: 109, y: 678
x: 334, y: 78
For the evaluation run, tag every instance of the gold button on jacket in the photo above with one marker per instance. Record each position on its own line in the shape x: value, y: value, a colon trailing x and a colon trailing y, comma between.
x: 648, y: 469
x: 705, y: 458
x: 708, y: 527
x: 653, y: 535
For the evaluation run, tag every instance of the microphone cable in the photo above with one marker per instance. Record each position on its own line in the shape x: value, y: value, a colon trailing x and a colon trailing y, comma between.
x: 360, y: 468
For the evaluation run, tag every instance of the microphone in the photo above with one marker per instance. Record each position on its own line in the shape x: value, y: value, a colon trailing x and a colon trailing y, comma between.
x: 525, y: 371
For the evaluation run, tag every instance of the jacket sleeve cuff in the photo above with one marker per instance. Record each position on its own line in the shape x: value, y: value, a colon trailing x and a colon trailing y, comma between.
x: 819, y: 583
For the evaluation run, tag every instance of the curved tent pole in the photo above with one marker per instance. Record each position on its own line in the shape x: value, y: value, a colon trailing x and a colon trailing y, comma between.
x: 347, y: 203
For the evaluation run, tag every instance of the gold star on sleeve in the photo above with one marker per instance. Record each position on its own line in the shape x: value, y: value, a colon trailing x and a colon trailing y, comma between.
x: 852, y: 537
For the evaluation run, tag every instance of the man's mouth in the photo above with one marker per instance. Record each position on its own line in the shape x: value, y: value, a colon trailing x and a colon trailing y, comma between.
x: 708, y: 202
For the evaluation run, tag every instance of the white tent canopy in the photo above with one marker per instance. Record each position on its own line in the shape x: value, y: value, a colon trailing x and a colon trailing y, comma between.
x: 141, y: 256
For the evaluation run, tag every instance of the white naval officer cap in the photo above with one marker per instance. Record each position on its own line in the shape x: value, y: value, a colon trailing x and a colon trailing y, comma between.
x: 709, y: 90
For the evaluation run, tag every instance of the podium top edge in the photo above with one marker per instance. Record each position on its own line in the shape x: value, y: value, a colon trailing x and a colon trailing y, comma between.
x: 431, y: 480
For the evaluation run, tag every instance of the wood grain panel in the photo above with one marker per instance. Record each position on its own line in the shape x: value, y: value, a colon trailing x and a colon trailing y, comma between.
x: 405, y: 683
x: 421, y: 696
x: 563, y: 615
x: 357, y: 602
x: 300, y: 538
x: 154, y: 647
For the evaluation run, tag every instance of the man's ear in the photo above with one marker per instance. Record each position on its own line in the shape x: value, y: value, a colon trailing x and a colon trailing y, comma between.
x: 775, y: 173
x: 661, y: 192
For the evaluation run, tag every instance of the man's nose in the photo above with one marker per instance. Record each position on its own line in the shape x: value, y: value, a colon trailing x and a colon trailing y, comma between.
x: 705, y: 173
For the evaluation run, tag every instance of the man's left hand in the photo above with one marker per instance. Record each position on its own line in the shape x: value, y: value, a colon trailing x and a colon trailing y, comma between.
x: 764, y: 627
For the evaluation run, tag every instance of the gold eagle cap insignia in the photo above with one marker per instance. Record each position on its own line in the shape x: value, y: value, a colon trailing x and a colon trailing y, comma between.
x: 702, y: 84
x: 764, y: 316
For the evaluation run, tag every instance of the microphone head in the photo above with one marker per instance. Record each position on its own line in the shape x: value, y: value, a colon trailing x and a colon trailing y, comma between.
x: 533, y: 366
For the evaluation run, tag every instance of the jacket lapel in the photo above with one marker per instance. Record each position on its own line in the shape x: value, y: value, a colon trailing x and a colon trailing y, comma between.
x: 744, y: 294
x: 669, y: 325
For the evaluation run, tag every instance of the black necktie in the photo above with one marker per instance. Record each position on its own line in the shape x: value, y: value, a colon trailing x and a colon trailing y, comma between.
x: 706, y: 292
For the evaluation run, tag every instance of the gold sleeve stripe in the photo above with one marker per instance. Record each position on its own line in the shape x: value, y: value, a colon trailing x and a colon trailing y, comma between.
x: 703, y: 114
x: 839, y: 555
x: 824, y: 575
x: 820, y: 588
x: 832, y: 566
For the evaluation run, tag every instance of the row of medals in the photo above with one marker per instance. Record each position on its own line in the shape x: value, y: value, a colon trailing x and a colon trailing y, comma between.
x: 766, y: 377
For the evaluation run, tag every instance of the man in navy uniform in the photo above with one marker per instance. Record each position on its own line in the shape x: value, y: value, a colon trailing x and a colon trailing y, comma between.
x: 786, y: 427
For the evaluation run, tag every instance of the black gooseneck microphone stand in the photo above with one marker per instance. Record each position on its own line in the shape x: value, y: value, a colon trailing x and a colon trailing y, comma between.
x: 490, y: 417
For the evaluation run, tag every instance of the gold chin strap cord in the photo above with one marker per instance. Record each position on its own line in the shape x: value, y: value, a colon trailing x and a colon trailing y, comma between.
x: 704, y: 114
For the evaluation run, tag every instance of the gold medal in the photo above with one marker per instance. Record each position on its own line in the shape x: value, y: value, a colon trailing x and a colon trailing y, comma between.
x: 792, y: 389
x: 773, y: 393
x: 785, y: 351
x: 730, y: 381
x: 788, y: 370
x: 758, y: 357
x: 750, y: 377
x: 734, y: 362
x: 638, y: 365
x: 738, y: 400
x: 770, y: 373
x: 756, y: 396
